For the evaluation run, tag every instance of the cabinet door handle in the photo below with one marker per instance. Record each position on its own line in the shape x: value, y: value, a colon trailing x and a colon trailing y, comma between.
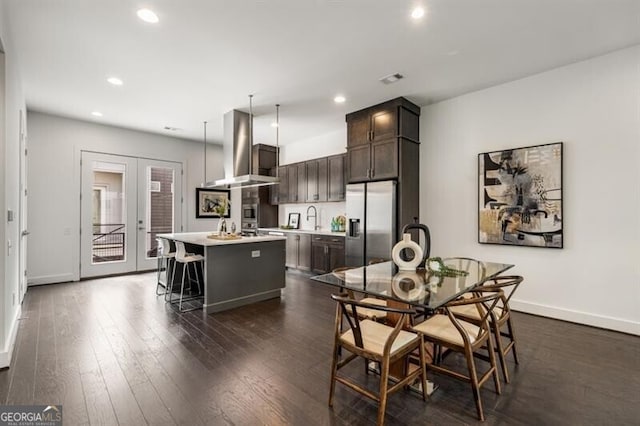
x: 373, y: 172
x: 371, y: 135
x: 326, y: 249
x: 335, y: 240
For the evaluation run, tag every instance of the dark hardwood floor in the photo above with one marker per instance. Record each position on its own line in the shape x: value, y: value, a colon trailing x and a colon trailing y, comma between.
x: 111, y: 352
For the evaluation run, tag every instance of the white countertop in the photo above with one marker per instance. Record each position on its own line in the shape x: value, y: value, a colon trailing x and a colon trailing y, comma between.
x: 200, y: 238
x: 304, y: 231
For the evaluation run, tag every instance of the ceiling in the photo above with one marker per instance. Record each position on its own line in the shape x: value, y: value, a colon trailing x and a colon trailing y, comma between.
x: 205, y: 56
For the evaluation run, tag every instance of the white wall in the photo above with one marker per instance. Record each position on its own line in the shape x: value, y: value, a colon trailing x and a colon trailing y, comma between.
x: 331, y: 143
x: 9, y: 193
x: 55, y: 144
x: 320, y: 146
x: 594, y: 108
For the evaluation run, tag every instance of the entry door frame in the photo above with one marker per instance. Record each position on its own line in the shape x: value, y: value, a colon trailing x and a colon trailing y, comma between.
x: 78, y: 151
x: 23, y: 205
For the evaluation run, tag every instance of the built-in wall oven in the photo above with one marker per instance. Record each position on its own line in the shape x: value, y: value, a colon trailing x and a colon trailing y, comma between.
x: 249, y: 216
x: 249, y: 211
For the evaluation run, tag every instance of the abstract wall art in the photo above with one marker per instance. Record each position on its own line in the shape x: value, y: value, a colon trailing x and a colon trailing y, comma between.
x: 520, y: 196
x: 213, y: 203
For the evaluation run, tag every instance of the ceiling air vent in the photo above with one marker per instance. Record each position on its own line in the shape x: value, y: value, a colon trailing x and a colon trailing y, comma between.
x: 172, y: 129
x: 391, y: 78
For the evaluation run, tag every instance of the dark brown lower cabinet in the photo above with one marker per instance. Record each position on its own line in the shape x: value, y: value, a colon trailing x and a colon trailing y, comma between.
x: 327, y: 253
x: 298, y: 254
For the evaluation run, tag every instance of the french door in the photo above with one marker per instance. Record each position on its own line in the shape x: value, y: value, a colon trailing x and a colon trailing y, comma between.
x: 125, y: 203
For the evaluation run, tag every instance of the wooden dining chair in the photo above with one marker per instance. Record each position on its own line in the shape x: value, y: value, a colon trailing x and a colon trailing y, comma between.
x: 376, y: 342
x: 447, y: 330
x: 501, y: 317
x: 374, y: 314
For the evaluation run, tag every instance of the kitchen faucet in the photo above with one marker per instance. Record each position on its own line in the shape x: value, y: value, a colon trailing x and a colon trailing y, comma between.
x: 315, y: 217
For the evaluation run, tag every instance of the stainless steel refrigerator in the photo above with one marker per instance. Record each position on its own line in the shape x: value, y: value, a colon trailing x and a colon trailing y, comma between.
x: 371, y: 216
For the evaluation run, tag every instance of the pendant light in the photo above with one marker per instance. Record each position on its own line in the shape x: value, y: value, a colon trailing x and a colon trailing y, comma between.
x: 277, y: 140
x: 204, y: 182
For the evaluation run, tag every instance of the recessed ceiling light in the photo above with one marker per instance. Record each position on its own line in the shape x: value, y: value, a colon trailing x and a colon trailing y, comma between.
x: 417, y: 13
x: 274, y: 124
x: 96, y: 114
x: 339, y: 99
x: 391, y: 78
x: 115, y: 81
x: 148, y: 16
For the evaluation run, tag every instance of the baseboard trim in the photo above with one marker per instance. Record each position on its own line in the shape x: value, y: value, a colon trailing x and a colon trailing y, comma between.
x: 50, y: 279
x: 601, y: 321
x: 241, y: 301
x: 7, y: 353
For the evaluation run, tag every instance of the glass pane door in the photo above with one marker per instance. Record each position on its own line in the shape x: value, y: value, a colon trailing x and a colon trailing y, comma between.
x: 159, y: 207
x: 125, y: 203
x: 108, y: 214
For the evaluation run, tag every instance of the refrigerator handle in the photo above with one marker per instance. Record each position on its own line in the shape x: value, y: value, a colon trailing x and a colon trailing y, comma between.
x: 354, y: 227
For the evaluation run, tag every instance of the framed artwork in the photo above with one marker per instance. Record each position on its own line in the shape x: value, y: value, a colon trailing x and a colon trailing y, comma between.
x: 212, y: 203
x: 294, y: 221
x: 520, y: 196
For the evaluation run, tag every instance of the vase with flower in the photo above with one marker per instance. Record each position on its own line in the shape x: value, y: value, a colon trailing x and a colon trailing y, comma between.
x: 222, y: 204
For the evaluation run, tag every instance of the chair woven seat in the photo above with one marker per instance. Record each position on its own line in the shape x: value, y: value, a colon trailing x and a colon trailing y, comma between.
x: 440, y: 327
x: 375, y: 335
x: 372, y: 313
x: 471, y: 312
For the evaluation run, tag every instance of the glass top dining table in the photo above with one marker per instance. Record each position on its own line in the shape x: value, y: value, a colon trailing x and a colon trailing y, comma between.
x: 422, y: 288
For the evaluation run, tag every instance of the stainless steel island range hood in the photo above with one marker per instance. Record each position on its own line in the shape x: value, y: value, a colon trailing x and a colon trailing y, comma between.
x: 237, y: 154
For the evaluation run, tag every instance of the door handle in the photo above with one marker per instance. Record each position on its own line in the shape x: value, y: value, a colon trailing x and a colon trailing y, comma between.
x: 25, y: 233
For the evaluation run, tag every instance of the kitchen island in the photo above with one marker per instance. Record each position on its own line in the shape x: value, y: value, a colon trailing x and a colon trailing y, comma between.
x: 237, y: 272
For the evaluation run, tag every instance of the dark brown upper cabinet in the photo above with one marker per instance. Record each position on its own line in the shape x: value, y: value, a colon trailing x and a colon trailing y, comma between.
x: 337, y: 177
x: 279, y: 194
x: 317, y: 180
x: 264, y: 158
x: 358, y: 128
x: 297, y: 183
x: 373, y: 137
x: 292, y: 174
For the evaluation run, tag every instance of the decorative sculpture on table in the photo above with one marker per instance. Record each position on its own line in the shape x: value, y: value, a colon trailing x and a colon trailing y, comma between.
x: 407, y: 244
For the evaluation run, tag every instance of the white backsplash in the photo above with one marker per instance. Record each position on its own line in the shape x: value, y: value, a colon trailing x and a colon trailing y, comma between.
x: 326, y: 211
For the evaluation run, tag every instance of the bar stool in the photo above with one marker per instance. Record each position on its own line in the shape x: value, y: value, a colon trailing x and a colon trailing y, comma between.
x: 166, y: 260
x: 186, y: 259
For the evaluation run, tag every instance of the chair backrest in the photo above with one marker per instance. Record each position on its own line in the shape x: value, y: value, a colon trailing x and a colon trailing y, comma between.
x: 426, y: 250
x: 181, y: 252
x: 165, y: 246
x: 346, y: 308
x: 485, y: 303
x: 502, y: 282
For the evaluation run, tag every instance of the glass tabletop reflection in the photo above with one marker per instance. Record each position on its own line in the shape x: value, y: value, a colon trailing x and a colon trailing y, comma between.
x: 422, y: 288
